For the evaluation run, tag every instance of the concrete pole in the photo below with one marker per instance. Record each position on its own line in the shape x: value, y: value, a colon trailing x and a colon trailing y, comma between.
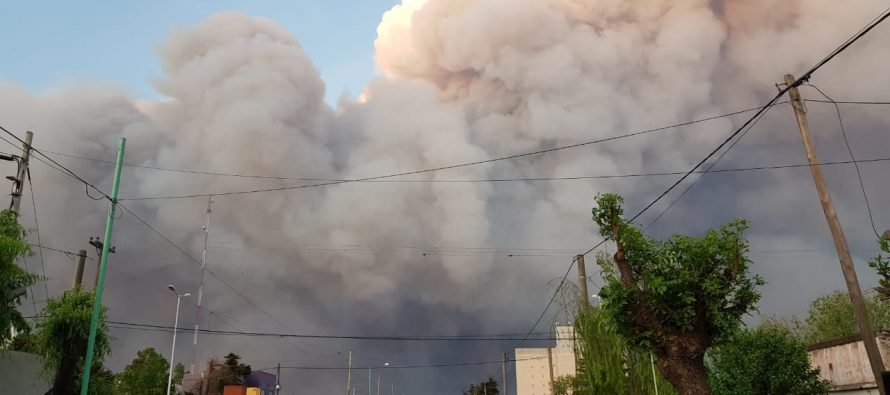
x: 19, y: 182
x: 840, y: 241
x: 504, y: 374
x: 582, y: 283
x: 349, y: 374
x: 78, y: 271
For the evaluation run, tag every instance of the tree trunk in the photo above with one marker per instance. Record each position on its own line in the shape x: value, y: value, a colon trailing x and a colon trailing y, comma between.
x: 688, y: 375
x: 63, y: 384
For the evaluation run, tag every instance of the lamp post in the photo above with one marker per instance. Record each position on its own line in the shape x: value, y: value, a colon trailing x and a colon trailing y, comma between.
x: 179, y: 296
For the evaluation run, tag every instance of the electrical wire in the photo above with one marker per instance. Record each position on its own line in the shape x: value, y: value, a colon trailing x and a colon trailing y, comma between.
x: 840, y: 121
x: 570, y: 178
x: 702, y: 174
x: 64, y: 169
x: 69, y: 254
x: 857, y: 102
x: 37, y: 230
x: 460, y: 338
x: 805, y: 77
x: 88, y: 185
x: 419, y: 366
x: 459, y: 165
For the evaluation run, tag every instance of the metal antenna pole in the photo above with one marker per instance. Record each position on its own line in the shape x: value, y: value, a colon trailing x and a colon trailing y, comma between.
x: 201, y: 286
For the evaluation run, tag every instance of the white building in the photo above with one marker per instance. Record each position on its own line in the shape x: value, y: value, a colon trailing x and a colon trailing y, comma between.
x: 537, y: 368
x: 844, y: 363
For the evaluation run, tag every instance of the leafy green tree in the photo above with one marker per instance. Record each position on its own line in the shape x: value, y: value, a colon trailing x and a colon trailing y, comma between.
x: 605, y: 362
x: 102, y: 381
x: 61, y: 337
x: 232, y: 372
x: 489, y: 387
x: 881, y: 264
x: 178, y: 373
x: 13, y: 279
x: 831, y: 317
x: 564, y: 385
x: 146, y: 375
x: 677, y: 297
x: 765, y: 360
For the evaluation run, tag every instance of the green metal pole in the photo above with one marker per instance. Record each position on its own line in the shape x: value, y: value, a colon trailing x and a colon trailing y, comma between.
x: 103, y: 263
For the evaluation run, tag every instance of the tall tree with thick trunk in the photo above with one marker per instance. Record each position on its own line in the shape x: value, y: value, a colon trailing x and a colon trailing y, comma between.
x: 679, y: 296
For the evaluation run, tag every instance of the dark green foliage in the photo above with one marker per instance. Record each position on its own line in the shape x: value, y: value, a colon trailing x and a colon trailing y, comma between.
x: 881, y: 264
x: 489, y: 387
x: 61, y: 337
x: 831, y: 317
x: 766, y: 360
x: 676, y: 297
x: 606, y: 365
x: 232, y: 373
x: 178, y: 373
x: 102, y: 381
x: 13, y: 279
x: 146, y: 375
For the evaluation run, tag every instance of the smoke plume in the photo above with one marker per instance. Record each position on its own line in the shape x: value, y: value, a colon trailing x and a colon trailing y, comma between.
x: 460, y: 81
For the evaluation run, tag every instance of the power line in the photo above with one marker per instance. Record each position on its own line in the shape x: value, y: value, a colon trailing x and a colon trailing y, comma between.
x: 69, y: 254
x: 840, y: 121
x: 459, y: 165
x: 462, y: 338
x: 187, y: 171
x: 64, y: 169
x: 805, y: 77
x: 89, y: 185
x: 542, y: 179
x: 291, y: 178
x: 37, y: 230
x: 858, y: 102
x: 419, y: 366
x: 700, y: 177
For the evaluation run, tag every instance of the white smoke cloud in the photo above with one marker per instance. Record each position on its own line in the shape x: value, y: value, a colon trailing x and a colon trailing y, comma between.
x: 461, y: 81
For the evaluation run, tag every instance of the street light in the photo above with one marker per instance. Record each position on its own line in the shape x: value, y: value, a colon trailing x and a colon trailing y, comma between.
x: 179, y: 296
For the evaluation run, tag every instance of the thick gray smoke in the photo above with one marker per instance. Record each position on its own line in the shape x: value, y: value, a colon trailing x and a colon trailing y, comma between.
x: 461, y: 81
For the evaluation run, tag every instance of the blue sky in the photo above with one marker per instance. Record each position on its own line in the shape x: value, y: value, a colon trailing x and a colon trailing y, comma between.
x: 48, y: 43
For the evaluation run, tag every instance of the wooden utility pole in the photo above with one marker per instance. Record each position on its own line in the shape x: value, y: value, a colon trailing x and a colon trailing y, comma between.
x: 349, y: 375
x: 78, y: 271
x: 582, y: 283
x: 18, y: 183
x: 504, y: 374
x: 840, y: 241
x: 278, y: 379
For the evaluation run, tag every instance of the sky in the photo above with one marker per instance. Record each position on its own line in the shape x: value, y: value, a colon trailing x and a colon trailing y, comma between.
x: 220, y: 98
x: 112, y: 41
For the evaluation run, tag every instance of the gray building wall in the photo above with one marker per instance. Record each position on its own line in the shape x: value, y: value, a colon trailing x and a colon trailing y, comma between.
x: 22, y: 374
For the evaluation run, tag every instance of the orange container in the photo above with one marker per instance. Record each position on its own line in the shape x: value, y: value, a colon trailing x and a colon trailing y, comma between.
x: 233, y: 390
